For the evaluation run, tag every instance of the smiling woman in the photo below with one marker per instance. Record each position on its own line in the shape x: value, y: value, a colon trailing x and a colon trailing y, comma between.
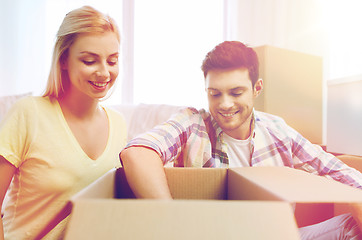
x: 55, y: 145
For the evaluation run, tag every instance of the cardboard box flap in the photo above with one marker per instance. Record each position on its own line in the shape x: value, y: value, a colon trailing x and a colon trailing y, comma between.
x: 242, y: 188
x: 103, y: 187
x: 288, y: 184
x: 255, y: 183
x: 180, y: 219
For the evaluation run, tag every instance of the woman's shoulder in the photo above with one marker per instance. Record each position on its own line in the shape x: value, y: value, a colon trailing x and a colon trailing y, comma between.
x: 31, y: 105
x: 112, y: 112
x: 23, y: 105
x: 23, y: 111
x: 115, y: 115
x: 33, y: 100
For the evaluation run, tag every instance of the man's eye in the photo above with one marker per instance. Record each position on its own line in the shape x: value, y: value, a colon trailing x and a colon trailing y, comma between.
x: 214, y: 94
x: 237, y: 94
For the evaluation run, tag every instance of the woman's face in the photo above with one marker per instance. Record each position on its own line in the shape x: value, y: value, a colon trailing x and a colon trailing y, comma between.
x: 92, y: 64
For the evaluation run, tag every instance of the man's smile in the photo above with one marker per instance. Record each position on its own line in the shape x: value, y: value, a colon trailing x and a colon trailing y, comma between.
x: 228, y: 114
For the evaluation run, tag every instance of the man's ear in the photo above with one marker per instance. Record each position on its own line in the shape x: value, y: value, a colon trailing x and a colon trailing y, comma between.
x: 258, y: 87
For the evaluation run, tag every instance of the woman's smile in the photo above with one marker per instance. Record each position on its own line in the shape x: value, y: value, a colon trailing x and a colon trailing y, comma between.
x: 99, y: 85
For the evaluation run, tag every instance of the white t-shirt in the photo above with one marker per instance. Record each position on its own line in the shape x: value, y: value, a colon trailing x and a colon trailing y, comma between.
x: 238, y: 151
x: 51, y: 165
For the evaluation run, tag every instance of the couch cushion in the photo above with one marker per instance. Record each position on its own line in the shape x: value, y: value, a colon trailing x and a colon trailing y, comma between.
x: 142, y: 117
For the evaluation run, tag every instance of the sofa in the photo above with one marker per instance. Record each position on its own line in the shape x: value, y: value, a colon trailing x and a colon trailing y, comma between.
x: 142, y: 117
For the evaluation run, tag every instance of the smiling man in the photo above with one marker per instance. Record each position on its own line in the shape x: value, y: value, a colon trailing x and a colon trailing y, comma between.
x: 233, y: 134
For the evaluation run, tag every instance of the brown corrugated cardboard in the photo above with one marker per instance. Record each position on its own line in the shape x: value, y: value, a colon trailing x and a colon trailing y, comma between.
x: 180, y: 219
x: 197, y: 183
x: 96, y: 212
x: 287, y: 184
x: 184, y: 183
x: 315, y: 196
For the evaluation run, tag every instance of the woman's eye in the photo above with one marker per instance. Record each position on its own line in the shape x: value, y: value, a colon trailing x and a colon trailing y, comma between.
x: 113, y: 62
x: 237, y: 94
x: 88, y: 62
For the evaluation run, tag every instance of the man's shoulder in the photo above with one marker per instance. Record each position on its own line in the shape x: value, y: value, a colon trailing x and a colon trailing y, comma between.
x: 193, y: 112
x: 271, y: 123
x: 268, y: 118
x: 194, y: 118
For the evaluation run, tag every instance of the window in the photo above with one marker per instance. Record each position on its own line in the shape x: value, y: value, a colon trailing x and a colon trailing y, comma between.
x: 163, y: 43
x: 171, y: 38
x: 342, y: 21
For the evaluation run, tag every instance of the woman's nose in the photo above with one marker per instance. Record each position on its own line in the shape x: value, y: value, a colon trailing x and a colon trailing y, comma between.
x: 103, y: 71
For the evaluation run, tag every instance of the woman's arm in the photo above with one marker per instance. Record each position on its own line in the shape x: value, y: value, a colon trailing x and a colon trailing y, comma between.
x: 7, y: 171
x: 145, y: 173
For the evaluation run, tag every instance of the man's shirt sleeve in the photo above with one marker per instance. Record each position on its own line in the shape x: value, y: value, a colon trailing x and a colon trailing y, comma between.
x: 178, y: 140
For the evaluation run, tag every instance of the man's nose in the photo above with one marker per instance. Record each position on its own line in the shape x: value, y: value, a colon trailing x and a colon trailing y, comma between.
x: 226, y: 102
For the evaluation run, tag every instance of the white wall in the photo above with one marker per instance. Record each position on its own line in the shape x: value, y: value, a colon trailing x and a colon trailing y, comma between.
x: 344, y: 131
x: 294, y: 25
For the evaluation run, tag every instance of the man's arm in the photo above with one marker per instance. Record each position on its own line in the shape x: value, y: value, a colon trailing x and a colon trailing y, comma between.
x: 312, y: 158
x: 145, y: 173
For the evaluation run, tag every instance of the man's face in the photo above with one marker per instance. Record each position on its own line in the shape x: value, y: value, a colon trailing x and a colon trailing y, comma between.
x: 231, y: 100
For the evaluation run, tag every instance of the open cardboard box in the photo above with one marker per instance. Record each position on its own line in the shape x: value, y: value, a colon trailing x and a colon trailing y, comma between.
x: 208, y: 205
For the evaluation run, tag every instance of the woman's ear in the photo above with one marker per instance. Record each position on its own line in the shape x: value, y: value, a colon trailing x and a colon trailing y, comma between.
x: 258, y: 87
x: 63, y: 61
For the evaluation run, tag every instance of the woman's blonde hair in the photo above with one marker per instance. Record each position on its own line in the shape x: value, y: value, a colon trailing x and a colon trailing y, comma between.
x: 82, y: 20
